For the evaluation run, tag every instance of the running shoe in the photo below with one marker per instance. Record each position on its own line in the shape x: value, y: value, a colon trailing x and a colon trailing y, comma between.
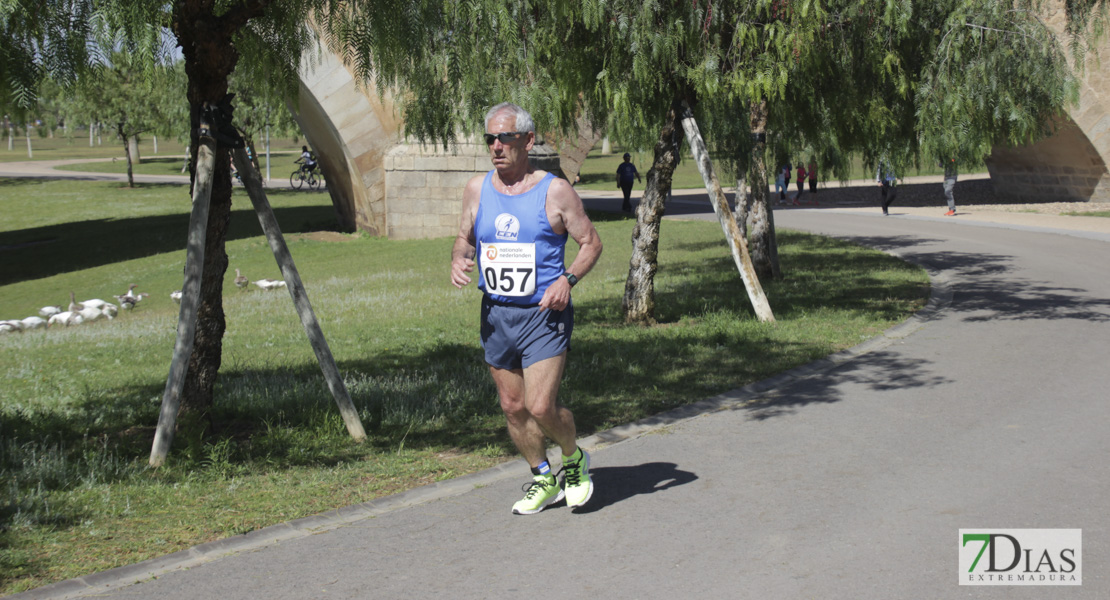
x: 950, y: 213
x: 576, y: 478
x: 540, y: 492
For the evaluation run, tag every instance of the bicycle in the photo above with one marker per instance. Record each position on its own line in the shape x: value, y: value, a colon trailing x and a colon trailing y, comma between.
x: 304, y: 175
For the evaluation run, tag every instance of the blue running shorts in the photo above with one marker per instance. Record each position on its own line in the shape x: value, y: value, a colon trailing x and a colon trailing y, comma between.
x: 516, y: 337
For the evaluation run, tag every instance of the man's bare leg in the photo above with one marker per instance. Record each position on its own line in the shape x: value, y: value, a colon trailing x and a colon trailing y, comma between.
x: 529, y: 399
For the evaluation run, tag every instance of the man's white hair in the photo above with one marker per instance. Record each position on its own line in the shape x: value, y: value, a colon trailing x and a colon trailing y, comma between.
x: 523, y: 120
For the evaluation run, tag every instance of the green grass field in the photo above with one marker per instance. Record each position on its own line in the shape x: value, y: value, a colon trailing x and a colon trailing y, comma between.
x: 78, y: 404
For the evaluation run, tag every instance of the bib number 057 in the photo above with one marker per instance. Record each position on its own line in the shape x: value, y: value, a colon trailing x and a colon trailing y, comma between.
x: 506, y: 282
x: 509, y: 268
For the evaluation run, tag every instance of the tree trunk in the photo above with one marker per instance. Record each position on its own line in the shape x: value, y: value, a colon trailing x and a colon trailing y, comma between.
x: 155, y: 138
x: 133, y: 144
x: 737, y: 244
x: 127, y: 152
x: 573, y: 150
x: 639, y: 290
x: 210, y: 57
x: 757, y: 217
x: 27, y: 131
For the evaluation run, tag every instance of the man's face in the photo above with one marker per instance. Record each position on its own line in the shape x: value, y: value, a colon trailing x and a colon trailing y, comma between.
x: 507, y: 156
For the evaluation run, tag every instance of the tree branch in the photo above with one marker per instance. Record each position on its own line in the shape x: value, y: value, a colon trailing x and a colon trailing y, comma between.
x: 234, y: 19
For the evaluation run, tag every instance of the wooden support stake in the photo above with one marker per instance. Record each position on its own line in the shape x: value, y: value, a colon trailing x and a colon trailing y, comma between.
x: 736, y: 241
x: 190, y: 302
x: 253, y: 182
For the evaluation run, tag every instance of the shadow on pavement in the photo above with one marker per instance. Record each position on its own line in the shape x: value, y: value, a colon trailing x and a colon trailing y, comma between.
x: 615, y: 484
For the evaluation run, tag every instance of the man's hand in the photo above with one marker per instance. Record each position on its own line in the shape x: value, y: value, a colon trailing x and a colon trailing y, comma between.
x: 557, y: 295
x: 459, y: 269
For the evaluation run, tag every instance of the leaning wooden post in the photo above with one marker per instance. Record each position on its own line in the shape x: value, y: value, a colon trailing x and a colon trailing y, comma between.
x: 736, y: 241
x: 190, y: 301
x: 253, y: 182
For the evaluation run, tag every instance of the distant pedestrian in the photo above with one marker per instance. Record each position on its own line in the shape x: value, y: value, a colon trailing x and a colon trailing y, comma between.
x: 950, y: 175
x: 887, y: 181
x: 625, y: 173
x: 780, y: 183
x: 801, y: 183
x: 811, y: 169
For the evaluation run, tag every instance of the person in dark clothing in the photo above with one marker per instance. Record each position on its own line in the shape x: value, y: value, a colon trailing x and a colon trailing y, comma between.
x: 625, y: 173
x: 887, y: 181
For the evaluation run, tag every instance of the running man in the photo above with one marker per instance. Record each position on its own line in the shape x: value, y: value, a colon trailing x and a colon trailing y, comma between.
x: 515, y: 222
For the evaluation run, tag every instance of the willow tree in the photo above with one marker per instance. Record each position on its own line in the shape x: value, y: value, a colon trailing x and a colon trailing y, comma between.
x: 215, y: 37
x: 632, y: 68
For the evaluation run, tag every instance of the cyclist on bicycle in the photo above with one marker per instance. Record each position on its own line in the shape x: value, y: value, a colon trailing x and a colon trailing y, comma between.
x: 307, y: 160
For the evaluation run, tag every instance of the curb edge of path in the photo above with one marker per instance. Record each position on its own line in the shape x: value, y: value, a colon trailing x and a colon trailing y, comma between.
x: 939, y: 298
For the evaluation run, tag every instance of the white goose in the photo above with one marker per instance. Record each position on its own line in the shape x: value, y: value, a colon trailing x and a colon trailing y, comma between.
x: 10, y: 326
x: 96, y: 303
x: 66, y: 319
x: 124, y: 302
x: 269, y: 284
x: 131, y: 297
x: 91, y: 314
x: 73, y: 305
x: 176, y: 296
x: 49, y: 311
x: 241, y: 281
x: 33, y: 323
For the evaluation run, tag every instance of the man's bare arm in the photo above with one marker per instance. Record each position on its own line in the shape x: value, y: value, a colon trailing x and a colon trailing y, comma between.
x: 462, y: 253
x: 569, y: 215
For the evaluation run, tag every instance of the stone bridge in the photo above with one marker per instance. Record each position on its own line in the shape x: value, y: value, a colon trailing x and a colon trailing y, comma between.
x: 380, y: 183
x: 1071, y: 164
x: 384, y: 185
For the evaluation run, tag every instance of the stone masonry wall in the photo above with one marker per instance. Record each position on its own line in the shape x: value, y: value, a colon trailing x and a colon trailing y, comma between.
x: 424, y: 185
x: 1071, y: 164
x: 1062, y: 168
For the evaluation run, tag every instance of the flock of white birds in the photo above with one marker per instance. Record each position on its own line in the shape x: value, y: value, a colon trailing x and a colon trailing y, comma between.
x: 96, y: 309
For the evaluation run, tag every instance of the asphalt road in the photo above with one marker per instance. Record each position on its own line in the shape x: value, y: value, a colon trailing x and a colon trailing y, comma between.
x: 846, y: 478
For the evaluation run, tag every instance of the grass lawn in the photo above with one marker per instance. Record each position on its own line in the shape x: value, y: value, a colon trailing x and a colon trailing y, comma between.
x: 62, y: 147
x: 78, y: 404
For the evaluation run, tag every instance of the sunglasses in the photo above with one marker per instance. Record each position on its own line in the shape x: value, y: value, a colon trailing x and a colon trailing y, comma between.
x: 505, y: 137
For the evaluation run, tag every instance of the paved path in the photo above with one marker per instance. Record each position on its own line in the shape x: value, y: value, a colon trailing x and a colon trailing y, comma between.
x: 55, y: 169
x: 846, y: 478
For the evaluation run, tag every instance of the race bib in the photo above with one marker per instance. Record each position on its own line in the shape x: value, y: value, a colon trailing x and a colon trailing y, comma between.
x: 509, y: 268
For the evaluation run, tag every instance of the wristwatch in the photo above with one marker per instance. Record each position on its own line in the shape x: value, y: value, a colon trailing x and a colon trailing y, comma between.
x: 571, y: 278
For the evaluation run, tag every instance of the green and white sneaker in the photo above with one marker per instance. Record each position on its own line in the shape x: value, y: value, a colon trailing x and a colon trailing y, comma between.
x: 541, y: 491
x: 576, y: 478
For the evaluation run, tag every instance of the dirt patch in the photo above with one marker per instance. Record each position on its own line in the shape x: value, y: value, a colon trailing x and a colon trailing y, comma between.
x: 322, y: 236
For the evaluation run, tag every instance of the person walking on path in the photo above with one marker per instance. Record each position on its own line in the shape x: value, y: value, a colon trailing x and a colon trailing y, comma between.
x: 811, y: 170
x: 887, y: 181
x: 950, y: 175
x: 626, y: 171
x: 780, y: 183
x: 801, y: 184
x: 515, y: 221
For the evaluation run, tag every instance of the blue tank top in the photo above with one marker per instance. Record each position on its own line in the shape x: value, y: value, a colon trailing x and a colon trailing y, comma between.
x: 520, y: 219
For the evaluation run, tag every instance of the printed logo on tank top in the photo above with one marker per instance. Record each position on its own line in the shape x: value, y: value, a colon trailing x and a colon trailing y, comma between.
x: 506, y: 227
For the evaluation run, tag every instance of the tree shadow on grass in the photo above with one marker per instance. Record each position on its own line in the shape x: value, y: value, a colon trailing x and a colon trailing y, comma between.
x: 45, y: 251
